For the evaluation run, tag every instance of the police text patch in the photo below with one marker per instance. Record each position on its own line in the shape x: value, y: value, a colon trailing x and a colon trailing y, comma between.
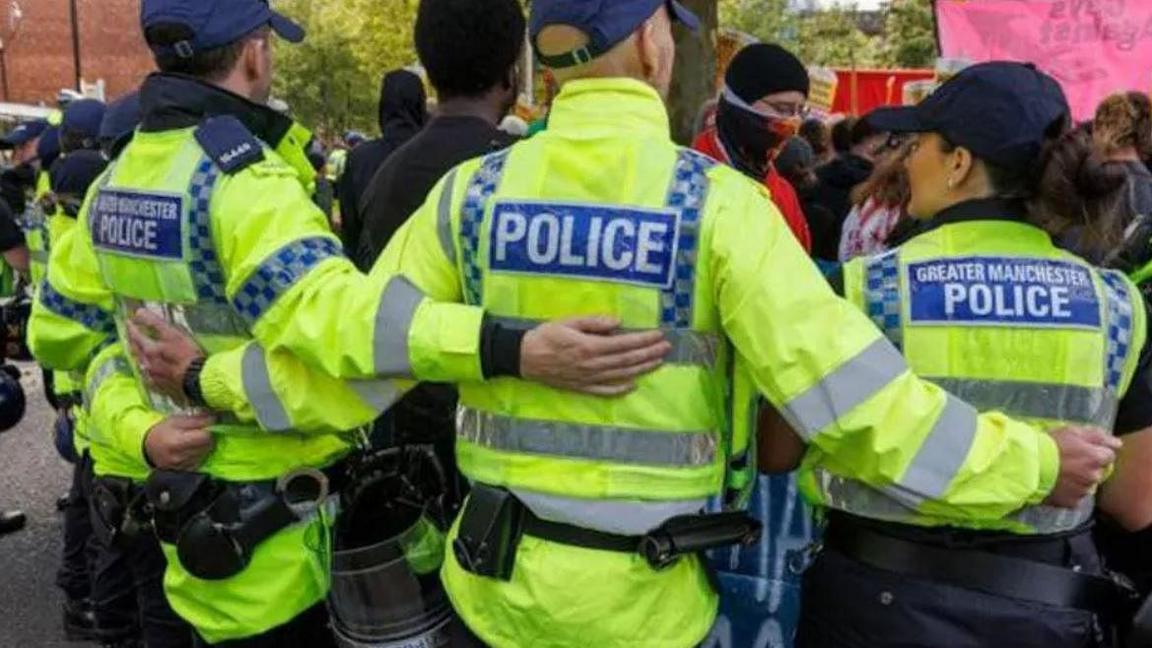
x: 1003, y: 291
x: 620, y: 244
x: 140, y: 224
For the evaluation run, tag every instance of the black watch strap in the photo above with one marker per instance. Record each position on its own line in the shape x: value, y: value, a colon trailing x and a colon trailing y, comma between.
x: 192, y: 382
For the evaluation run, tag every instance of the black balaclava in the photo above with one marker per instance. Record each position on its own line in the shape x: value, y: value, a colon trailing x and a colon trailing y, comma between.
x: 752, y: 138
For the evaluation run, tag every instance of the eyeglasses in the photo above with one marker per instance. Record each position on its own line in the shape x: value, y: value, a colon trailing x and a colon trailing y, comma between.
x: 784, y: 109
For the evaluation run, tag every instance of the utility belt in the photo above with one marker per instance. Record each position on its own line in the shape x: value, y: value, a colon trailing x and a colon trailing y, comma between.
x: 494, y: 521
x: 1002, y: 575
x: 121, y: 510
x: 216, y: 525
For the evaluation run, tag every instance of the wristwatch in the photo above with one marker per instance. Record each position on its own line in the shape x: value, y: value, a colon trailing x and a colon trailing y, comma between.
x: 191, y: 383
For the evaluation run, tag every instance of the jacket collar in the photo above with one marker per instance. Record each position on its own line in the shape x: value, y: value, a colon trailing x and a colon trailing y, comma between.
x: 983, y: 209
x: 174, y: 101
x: 614, y: 107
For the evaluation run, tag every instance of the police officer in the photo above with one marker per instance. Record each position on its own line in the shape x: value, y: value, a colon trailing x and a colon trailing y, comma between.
x: 578, y: 500
x: 983, y: 304
x: 205, y: 220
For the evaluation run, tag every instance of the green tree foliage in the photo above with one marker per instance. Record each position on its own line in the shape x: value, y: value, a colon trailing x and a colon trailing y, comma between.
x: 834, y: 37
x: 331, y: 81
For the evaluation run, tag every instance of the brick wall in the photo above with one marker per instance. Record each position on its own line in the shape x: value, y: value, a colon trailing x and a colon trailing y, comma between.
x: 38, y: 47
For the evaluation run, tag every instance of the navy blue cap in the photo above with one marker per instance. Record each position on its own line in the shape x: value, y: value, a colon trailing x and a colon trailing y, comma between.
x: 23, y: 133
x: 214, y: 23
x: 1001, y: 111
x: 605, y: 22
x: 75, y: 172
x: 48, y: 148
x: 83, y: 117
x: 121, y: 118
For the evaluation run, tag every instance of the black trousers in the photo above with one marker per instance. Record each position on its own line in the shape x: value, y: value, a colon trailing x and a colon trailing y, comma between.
x: 74, y: 575
x: 849, y: 604
x: 128, y: 591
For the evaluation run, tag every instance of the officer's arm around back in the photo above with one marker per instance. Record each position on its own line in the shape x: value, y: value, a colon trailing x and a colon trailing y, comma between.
x: 847, y: 391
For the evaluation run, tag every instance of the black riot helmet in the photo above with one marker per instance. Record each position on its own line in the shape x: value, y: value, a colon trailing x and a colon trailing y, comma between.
x: 12, y: 401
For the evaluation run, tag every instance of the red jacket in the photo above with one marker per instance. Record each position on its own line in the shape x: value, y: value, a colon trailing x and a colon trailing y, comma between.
x: 782, y: 191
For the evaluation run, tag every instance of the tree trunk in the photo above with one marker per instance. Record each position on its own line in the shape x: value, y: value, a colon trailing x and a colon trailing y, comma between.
x: 693, y: 80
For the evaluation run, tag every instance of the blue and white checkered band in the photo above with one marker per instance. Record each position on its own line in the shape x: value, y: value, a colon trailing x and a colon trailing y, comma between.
x: 1119, y: 322
x: 280, y: 272
x: 207, y: 274
x: 686, y: 194
x: 882, y: 295
x: 480, y: 189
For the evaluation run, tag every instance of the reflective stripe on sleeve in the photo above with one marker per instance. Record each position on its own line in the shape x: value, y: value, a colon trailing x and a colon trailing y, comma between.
x: 398, y: 306
x: 444, y: 218
x: 279, y: 272
x: 112, y: 365
x: 258, y: 390
x: 849, y: 385
x: 586, y: 441
x: 378, y: 394
x: 943, y: 451
x: 90, y: 316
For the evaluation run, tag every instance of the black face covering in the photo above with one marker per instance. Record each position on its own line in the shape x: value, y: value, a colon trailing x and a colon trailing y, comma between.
x: 15, y: 184
x: 751, y: 140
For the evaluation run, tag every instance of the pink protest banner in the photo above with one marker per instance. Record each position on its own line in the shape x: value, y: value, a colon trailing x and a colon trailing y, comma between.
x: 1092, y: 47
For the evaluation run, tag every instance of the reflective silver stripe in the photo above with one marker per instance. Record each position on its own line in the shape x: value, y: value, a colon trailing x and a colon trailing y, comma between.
x: 378, y: 394
x: 688, y: 346
x: 851, y: 384
x: 258, y: 389
x: 393, y: 320
x: 444, y: 218
x: 1052, y: 519
x: 1069, y: 403
x: 586, y: 441
x: 943, y: 451
x: 39, y: 256
x: 626, y: 517
x: 112, y: 365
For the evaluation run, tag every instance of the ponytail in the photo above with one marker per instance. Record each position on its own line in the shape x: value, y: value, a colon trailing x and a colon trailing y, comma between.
x: 1077, y: 189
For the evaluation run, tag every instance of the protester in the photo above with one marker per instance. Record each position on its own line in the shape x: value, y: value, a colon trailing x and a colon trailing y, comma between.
x: 841, y: 136
x: 402, y: 113
x: 797, y: 164
x: 879, y: 204
x: 819, y: 137
x: 469, y: 50
x: 843, y: 174
x: 470, y: 56
x: 1122, y: 135
x: 759, y: 109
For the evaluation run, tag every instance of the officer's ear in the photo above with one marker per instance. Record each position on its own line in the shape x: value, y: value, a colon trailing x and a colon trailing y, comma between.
x: 657, y: 50
x: 961, y: 164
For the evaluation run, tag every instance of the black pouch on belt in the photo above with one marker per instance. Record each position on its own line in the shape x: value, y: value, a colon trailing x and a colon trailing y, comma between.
x: 116, y: 501
x: 489, y: 532
x: 175, y: 497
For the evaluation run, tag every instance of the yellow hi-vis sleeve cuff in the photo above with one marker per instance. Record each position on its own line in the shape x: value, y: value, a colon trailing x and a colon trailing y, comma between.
x: 1049, y: 457
x: 444, y: 342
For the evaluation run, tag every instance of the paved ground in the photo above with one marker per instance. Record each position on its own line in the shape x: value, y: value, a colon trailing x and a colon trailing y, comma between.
x: 32, y: 476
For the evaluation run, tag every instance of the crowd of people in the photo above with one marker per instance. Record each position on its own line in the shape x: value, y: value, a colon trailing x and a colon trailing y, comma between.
x: 476, y: 382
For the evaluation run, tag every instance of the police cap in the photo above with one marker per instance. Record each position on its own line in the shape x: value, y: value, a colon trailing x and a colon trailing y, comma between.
x: 214, y: 23
x: 605, y: 22
x: 1001, y: 111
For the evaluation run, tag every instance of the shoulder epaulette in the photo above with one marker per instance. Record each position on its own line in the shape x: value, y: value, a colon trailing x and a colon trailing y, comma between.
x: 229, y: 143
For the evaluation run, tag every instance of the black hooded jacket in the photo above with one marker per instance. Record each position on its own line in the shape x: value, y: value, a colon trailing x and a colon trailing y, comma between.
x: 403, y: 113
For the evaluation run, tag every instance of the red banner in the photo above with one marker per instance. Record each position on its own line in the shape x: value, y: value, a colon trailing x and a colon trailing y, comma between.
x: 1092, y: 47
